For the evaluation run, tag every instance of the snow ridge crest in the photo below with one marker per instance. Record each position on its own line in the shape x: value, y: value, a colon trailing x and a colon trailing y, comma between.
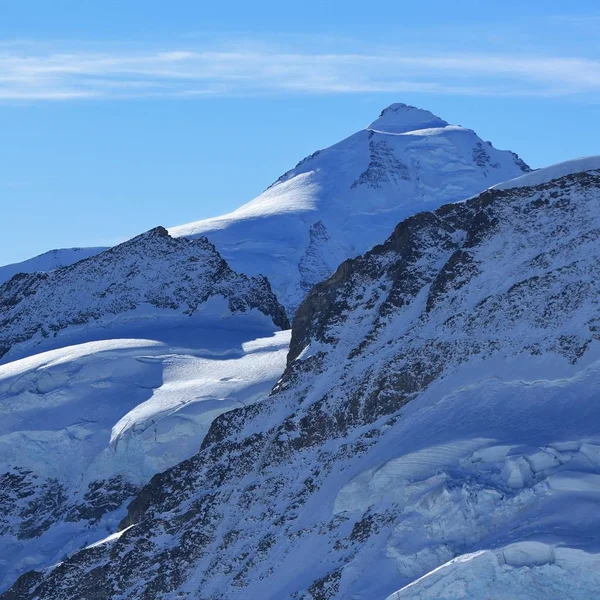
x: 402, y: 118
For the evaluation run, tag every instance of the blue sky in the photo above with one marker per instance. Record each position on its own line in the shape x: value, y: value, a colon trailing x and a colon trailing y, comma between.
x: 118, y: 116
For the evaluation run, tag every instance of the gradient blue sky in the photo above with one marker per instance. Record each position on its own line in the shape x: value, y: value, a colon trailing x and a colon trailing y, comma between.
x: 116, y: 116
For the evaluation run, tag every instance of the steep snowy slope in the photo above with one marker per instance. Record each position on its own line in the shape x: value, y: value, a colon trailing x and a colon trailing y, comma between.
x: 440, y: 403
x: 54, y: 259
x: 341, y: 201
x: 152, y: 340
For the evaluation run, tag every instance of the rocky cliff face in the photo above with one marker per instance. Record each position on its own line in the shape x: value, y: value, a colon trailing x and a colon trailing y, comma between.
x: 149, y: 276
x: 440, y: 400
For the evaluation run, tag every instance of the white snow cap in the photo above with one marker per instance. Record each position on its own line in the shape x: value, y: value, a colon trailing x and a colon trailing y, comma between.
x: 547, y: 174
x: 400, y: 118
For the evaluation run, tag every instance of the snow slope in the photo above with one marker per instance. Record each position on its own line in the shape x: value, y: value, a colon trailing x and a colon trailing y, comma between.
x: 54, y: 259
x: 83, y: 427
x: 521, y: 570
x: 339, y: 202
x: 549, y: 174
x: 436, y: 427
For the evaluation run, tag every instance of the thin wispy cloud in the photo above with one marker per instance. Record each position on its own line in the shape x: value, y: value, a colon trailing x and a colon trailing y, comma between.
x: 578, y: 20
x: 34, y: 74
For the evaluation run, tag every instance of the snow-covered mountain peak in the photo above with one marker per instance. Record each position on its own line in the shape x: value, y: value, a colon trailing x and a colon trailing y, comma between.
x: 340, y: 201
x: 402, y: 118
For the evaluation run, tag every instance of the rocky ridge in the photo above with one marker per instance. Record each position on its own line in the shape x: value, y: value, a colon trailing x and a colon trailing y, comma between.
x: 153, y: 274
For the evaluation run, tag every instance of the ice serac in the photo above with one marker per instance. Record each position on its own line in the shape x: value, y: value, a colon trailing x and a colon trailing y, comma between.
x: 435, y: 430
x: 152, y: 276
x: 113, y: 370
x: 341, y: 201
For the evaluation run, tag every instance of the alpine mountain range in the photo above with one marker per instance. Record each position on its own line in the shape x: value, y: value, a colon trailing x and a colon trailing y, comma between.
x: 378, y: 380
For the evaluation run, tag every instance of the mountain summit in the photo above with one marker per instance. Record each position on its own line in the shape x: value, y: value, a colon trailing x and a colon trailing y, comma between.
x: 402, y: 118
x: 339, y: 202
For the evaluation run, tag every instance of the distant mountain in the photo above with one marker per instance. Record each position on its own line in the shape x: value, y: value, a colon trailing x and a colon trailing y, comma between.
x: 339, y: 202
x: 434, y: 435
x: 54, y: 259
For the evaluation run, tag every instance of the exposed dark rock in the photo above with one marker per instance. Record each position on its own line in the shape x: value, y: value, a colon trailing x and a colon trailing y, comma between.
x: 384, y: 167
